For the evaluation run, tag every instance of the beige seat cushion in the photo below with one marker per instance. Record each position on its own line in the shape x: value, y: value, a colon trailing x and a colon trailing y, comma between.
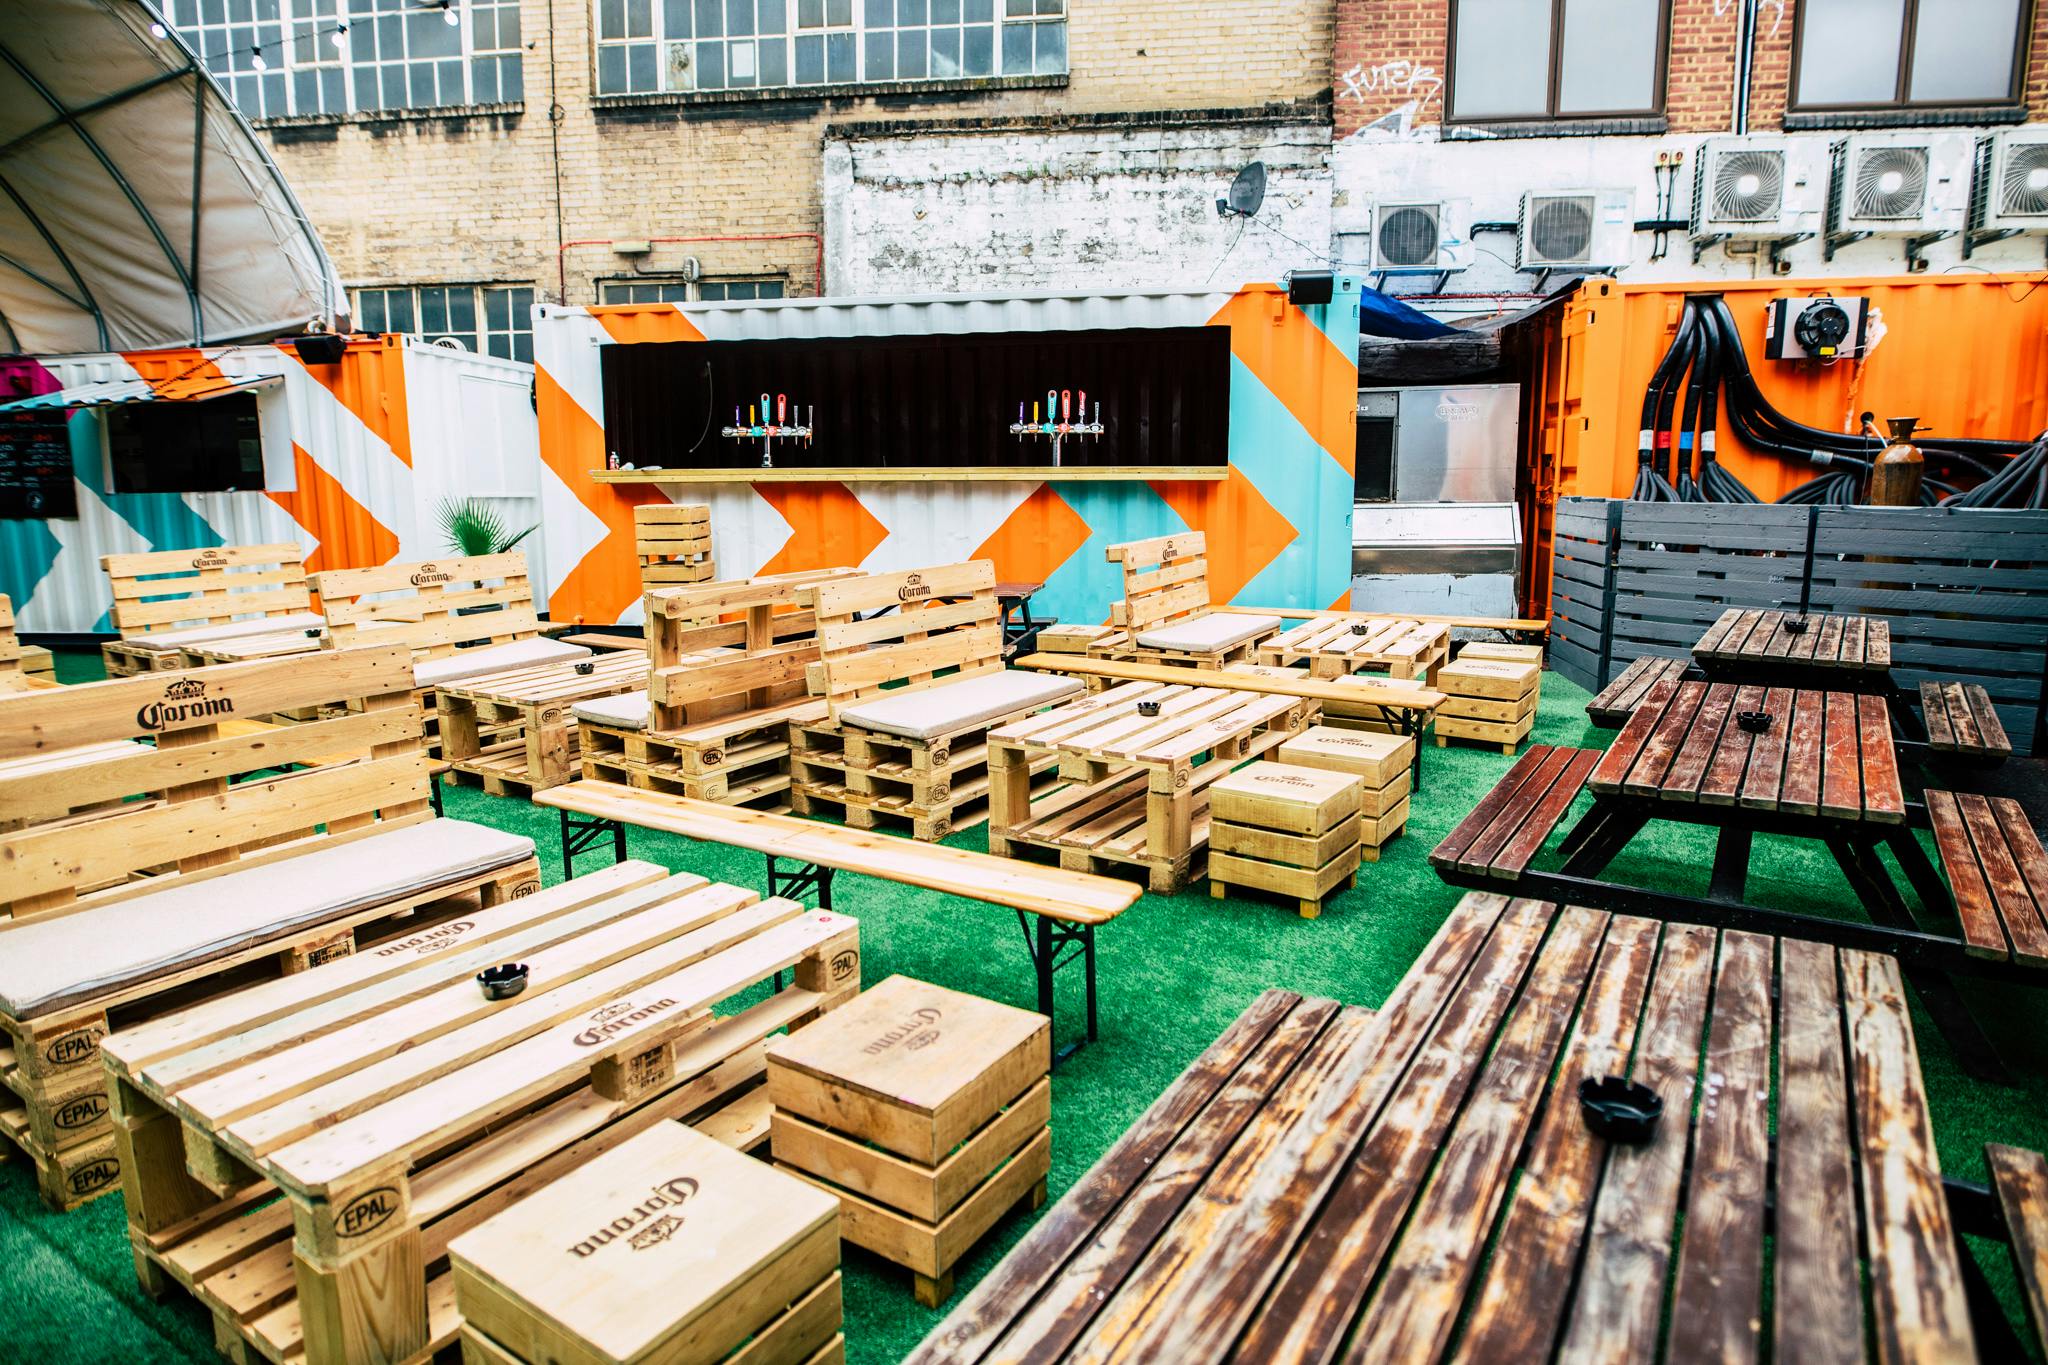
x: 474, y: 663
x: 167, y: 640
x: 50, y: 961
x: 1207, y: 634
x: 931, y: 711
x: 626, y: 711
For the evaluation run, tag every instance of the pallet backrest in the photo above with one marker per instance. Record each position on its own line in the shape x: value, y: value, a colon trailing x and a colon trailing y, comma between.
x: 183, y: 589
x: 721, y: 648
x: 423, y: 604
x: 1166, y: 579
x: 176, y: 804
x: 946, y: 617
x: 10, y: 645
x: 673, y: 541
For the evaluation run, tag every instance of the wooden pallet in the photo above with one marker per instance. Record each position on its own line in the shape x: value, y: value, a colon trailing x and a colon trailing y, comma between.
x: 298, y: 1158
x: 673, y: 541
x: 1138, y: 793
x: 1165, y: 583
x: 1337, y: 647
x: 171, y: 590
x: 738, y: 760
x: 530, y: 711
x: 19, y: 662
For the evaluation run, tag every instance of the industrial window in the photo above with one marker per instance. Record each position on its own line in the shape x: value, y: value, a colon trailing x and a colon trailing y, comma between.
x: 1515, y: 60
x: 1865, y: 54
x: 278, y: 58
x: 680, y: 291
x: 214, y: 446
x: 656, y: 46
x: 737, y: 291
x: 492, y: 319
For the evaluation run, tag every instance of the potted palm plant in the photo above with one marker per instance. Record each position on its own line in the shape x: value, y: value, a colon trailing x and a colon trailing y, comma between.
x: 471, y: 528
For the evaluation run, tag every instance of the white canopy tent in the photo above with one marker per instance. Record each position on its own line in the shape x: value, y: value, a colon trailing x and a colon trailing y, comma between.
x: 137, y: 207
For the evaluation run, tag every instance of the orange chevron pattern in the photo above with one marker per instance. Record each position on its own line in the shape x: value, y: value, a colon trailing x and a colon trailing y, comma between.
x: 828, y: 527
x: 1245, y: 532
x: 1033, y: 541
x: 607, y: 580
x: 636, y: 322
x: 374, y: 393
x: 350, y: 538
x: 1291, y: 356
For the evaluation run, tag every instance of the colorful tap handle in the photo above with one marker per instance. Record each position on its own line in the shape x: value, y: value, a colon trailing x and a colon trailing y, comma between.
x: 1066, y: 406
x: 781, y: 409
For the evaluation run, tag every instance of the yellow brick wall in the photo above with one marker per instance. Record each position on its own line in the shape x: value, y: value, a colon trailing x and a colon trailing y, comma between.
x: 424, y: 200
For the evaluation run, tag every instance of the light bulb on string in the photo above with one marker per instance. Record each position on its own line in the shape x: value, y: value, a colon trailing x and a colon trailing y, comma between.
x: 340, y: 38
x: 256, y: 61
x: 158, y: 31
x: 449, y: 16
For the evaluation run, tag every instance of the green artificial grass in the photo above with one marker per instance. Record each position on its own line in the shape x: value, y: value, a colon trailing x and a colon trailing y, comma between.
x: 1174, y: 972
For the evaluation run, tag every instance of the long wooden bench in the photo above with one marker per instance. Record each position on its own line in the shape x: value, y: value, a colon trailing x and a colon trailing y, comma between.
x: 166, y: 600
x: 1165, y: 613
x: 1067, y: 906
x: 1512, y: 821
x: 1997, y: 873
x: 2020, y: 1180
x: 1618, y: 700
x: 154, y: 850
x: 1962, y: 721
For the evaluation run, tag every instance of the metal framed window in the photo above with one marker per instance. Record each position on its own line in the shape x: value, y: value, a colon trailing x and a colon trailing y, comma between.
x: 1909, y: 54
x: 1527, y: 60
x: 494, y: 319
x: 680, y: 291
x: 662, y: 46
x: 737, y: 291
x: 286, y: 57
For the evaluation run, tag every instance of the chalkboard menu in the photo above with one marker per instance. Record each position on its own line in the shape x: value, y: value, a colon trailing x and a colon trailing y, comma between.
x: 35, y: 466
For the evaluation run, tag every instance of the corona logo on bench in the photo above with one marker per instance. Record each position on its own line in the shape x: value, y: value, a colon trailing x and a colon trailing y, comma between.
x: 619, y: 1018
x: 913, y: 588
x: 667, y: 1196
x: 184, y: 699
x: 209, y: 559
x: 428, y: 573
x: 431, y: 941
x: 916, y: 1030
x: 367, y: 1212
x: 95, y: 1175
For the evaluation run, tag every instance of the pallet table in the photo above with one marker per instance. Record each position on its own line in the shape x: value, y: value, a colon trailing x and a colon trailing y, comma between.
x: 299, y: 1155
x: 1420, y: 1185
x: 534, y: 746
x: 925, y: 1111
x: 1286, y: 829
x: 1137, y: 790
x: 1335, y: 647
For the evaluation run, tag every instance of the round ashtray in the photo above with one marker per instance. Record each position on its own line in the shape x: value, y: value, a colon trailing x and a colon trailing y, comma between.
x: 1148, y: 708
x: 1361, y: 627
x: 586, y: 668
x: 312, y: 632
x: 1795, y: 625
x: 1755, y: 722
x: 503, y: 982
x: 1620, y: 1110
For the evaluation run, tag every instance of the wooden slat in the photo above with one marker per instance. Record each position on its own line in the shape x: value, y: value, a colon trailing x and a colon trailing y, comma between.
x: 2010, y: 894
x: 1982, y: 928
x: 1805, y: 750
x: 1827, y: 647
x: 2026, y: 921
x: 1722, y: 781
x: 1492, y: 805
x: 1841, y: 788
x: 1941, y: 732
x: 1990, y: 729
x: 1689, y: 767
x: 2021, y: 1180
x: 1310, y: 689
x: 1763, y: 785
x: 1710, y: 643
x: 1621, y: 755
x: 1647, y: 777
x: 1884, y: 799
x: 1514, y: 856
x: 1916, y: 1285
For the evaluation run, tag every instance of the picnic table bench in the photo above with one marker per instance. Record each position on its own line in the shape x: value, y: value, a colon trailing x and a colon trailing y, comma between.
x: 1058, y: 910
x: 1419, y: 1184
x: 1617, y: 701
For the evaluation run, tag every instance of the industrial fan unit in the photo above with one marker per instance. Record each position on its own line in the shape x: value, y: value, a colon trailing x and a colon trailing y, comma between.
x: 1411, y: 235
x: 1742, y: 187
x: 1574, y: 230
x: 2009, y: 187
x: 1879, y: 185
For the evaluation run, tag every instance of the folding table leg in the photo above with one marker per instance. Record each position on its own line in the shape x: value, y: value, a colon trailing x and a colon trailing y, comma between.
x: 1731, y: 863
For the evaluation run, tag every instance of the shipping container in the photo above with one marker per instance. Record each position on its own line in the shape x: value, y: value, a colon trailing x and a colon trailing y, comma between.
x: 1231, y: 413
x: 349, y: 459
x: 1966, y: 353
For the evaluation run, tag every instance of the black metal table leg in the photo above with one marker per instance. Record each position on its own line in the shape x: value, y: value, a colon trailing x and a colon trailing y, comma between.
x: 1045, y: 940
x: 807, y: 877
x: 580, y: 836
x: 1731, y: 863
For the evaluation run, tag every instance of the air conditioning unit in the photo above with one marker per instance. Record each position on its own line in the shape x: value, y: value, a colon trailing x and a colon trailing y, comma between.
x: 2009, y: 188
x: 1575, y: 230
x: 1741, y: 187
x: 1879, y: 185
x: 1408, y: 235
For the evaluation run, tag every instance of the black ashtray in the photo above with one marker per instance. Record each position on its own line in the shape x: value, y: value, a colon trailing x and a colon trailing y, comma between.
x: 1361, y: 627
x: 1148, y: 708
x: 1619, y: 1110
x: 586, y: 668
x: 1795, y: 625
x: 502, y: 983
x: 1756, y: 722
x: 312, y: 632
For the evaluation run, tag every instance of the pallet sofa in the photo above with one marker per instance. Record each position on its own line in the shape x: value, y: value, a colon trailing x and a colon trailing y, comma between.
x: 21, y: 666
x: 910, y: 667
x: 461, y: 618
x: 1165, y: 613
x: 726, y: 667
x: 166, y: 601
x: 180, y: 881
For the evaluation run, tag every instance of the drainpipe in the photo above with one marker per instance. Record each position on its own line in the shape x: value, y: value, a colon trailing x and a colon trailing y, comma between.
x: 1745, y: 61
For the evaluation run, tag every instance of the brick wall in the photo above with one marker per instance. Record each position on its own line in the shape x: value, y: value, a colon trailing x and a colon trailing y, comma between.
x: 473, y: 198
x: 1390, y: 58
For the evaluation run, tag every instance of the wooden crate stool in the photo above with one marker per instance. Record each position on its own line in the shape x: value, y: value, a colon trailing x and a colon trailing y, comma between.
x: 1286, y: 829
x: 1492, y: 701
x: 673, y: 541
x: 1070, y: 639
x: 925, y: 1110
x: 168, y: 599
x: 1383, y: 762
x: 670, y: 1247
x: 1165, y: 610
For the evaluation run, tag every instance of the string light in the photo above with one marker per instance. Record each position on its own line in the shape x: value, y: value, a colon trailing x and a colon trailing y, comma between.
x: 158, y: 31
x: 449, y: 15
x: 256, y: 59
x: 340, y: 38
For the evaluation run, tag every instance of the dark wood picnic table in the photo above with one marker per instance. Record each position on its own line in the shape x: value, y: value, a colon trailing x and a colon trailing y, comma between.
x: 1419, y: 1184
x: 1795, y: 646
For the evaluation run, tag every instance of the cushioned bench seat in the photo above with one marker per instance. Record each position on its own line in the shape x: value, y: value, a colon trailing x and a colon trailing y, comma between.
x: 168, y: 641
x: 625, y: 711
x: 949, y: 707
x: 474, y: 663
x: 1208, y: 634
x: 52, y: 961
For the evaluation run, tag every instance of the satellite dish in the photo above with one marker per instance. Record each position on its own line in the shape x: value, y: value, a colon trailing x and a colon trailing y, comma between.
x: 1247, y: 192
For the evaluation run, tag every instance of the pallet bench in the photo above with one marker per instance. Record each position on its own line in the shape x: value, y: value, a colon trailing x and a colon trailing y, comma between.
x: 298, y: 1156
x: 21, y: 666
x: 1962, y: 722
x: 1617, y: 701
x: 1525, y: 630
x: 1058, y: 910
x: 912, y: 694
x: 1419, y: 1184
x: 167, y: 600
x: 1165, y: 614
x: 140, y: 875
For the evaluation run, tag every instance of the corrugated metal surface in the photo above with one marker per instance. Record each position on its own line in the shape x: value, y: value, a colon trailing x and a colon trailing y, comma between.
x: 345, y: 467
x: 1279, y: 526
